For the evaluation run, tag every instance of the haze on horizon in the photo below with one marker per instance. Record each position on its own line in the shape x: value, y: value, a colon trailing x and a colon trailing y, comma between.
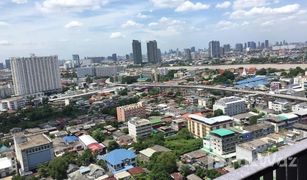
x: 103, y: 27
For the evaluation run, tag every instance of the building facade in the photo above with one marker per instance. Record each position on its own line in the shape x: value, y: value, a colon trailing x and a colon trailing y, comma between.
x: 152, y: 52
x: 35, y: 74
x: 230, y: 105
x: 131, y: 110
x: 13, y: 103
x: 214, y: 49
x: 139, y: 128
x: 32, y: 151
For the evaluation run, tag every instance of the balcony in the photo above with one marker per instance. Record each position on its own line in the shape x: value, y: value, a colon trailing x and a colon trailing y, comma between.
x: 287, y: 164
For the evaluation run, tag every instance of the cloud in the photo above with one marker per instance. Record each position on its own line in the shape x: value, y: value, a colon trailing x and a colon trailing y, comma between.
x: 4, y: 43
x: 167, y: 3
x: 189, y: 6
x: 225, y: 25
x: 223, y: 5
x: 131, y: 24
x: 245, y: 4
x: 142, y: 16
x: 265, y: 11
x: 75, y: 5
x: 2, y: 23
x: 20, y: 1
x: 116, y: 35
x: 73, y: 24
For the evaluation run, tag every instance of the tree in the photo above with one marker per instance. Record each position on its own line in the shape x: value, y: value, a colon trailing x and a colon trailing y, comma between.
x: 185, y: 170
x: 86, y: 158
x: 163, y: 161
x: 163, y: 175
x: 184, y: 134
x: 112, y: 145
x: 88, y: 80
x: 261, y: 72
x: 123, y: 92
x: 98, y: 135
x: 102, y: 164
x: 43, y: 171
x: 57, y: 168
x: 218, y: 112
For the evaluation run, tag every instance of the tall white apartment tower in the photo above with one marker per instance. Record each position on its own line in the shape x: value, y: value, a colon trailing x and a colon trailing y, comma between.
x: 35, y: 74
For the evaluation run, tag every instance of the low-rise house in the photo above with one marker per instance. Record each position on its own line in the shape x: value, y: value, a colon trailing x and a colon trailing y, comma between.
x: 8, y: 165
x: 124, y: 140
x: 279, y: 105
x: 90, y: 172
x: 299, y: 107
x: 90, y: 143
x: 119, y: 160
x: 178, y: 124
x: 248, y: 151
x: 282, y: 121
x: 259, y: 130
x: 145, y: 155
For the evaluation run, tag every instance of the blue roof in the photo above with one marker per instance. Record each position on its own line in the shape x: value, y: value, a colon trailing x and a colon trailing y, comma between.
x: 117, y: 156
x: 4, y: 149
x: 252, y: 82
x: 70, y: 139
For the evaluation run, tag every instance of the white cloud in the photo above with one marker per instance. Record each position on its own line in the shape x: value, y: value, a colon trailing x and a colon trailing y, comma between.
x: 76, y: 5
x: 131, y: 24
x: 245, y: 4
x: 20, y: 1
x: 142, y: 16
x: 225, y: 25
x: 223, y: 5
x: 267, y: 23
x: 116, y: 35
x: 167, y: 3
x: 2, y: 23
x: 73, y: 24
x: 265, y: 11
x: 189, y: 6
x: 4, y: 43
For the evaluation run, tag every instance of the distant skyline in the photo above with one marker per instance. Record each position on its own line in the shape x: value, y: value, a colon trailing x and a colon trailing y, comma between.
x: 104, y: 27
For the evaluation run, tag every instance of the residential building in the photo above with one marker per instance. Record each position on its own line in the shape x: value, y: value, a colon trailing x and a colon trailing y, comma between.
x: 139, y: 128
x: 248, y: 151
x: 226, y: 48
x: 8, y: 165
x: 76, y: 60
x: 32, y: 150
x: 282, y: 121
x: 90, y: 143
x: 214, y: 49
x: 8, y: 64
x: 146, y: 154
x: 13, y: 103
x: 178, y: 124
x: 114, y: 57
x: 152, y: 52
x: 106, y: 71
x: 35, y: 74
x: 299, y: 107
x: 259, y: 130
x: 230, y: 105
x: 131, y: 110
x: 220, y: 142
x: 239, y: 47
x: 188, y: 55
x: 83, y: 72
x: 279, y: 105
x: 119, y: 160
x: 137, y: 52
x: 201, y: 126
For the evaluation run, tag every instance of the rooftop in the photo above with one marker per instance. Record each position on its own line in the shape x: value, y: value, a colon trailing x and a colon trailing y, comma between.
x: 222, y: 132
x: 257, y: 127
x: 117, y: 156
x: 231, y: 99
x: 252, y: 144
x: 5, y: 163
x: 29, y: 141
x: 139, y: 122
x: 210, y: 121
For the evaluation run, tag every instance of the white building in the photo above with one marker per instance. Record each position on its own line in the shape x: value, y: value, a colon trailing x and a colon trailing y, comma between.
x: 35, y: 74
x: 13, y: 103
x: 230, y: 105
x: 8, y: 166
x: 85, y: 71
x: 139, y: 128
x: 279, y: 105
x: 32, y: 150
x: 87, y: 140
x: 249, y: 150
x: 299, y: 107
x: 104, y: 71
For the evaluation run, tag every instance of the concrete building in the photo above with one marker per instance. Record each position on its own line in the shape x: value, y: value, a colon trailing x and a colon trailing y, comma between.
x: 146, y: 154
x: 200, y: 126
x: 139, y: 128
x: 8, y: 165
x: 32, y: 150
x: 13, y: 103
x: 279, y: 105
x: 76, y: 60
x: 299, y: 107
x: 131, y: 110
x: 230, y: 105
x: 85, y: 71
x: 282, y: 121
x: 220, y: 142
x: 248, y: 151
x: 137, y: 52
x: 35, y: 74
x: 88, y: 142
x: 239, y: 47
x: 99, y: 71
x: 214, y: 49
x: 152, y: 52
x: 259, y: 130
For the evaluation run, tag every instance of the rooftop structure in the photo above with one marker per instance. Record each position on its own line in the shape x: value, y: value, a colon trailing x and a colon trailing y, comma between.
x: 252, y: 82
x: 222, y: 132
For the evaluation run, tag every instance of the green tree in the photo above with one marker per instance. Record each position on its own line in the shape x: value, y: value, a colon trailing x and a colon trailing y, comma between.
x: 185, y: 170
x: 218, y: 112
x: 112, y: 145
x: 98, y: 135
x: 43, y: 171
x: 261, y: 72
x: 163, y: 161
x: 86, y: 158
x: 57, y: 168
x: 88, y: 80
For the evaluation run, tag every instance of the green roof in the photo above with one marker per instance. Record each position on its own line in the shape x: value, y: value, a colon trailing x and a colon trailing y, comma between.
x: 155, y: 119
x: 222, y: 132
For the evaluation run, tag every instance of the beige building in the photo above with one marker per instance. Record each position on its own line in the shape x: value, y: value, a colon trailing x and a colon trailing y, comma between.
x: 131, y: 110
x: 139, y: 128
x: 201, y: 126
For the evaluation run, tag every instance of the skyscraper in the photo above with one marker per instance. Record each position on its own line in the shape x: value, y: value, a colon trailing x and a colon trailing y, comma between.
x: 35, y: 74
x: 114, y: 57
x: 226, y: 48
x: 251, y: 45
x: 8, y: 64
x: 266, y: 44
x: 214, y: 49
x: 152, y: 52
x: 137, y: 52
x: 76, y: 60
x: 239, y: 47
x: 187, y: 53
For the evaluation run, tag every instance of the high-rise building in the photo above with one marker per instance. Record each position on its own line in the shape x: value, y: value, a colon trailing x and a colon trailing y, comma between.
x: 1, y: 66
x: 251, y: 45
x: 239, y: 47
x: 114, y: 57
x: 152, y: 52
x: 76, y: 60
x: 129, y: 111
x: 159, y: 55
x: 137, y: 52
x: 227, y: 48
x: 214, y: 49
x: 35, y: 74
x: 139, y: 128
x: 187, y: 53
x: 193, y: 49
x: 266, y: 44
x: 8, y: 64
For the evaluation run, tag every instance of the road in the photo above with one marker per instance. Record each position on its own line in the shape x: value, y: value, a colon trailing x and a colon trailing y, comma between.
x: 283, y: 96
x: 257, y: 66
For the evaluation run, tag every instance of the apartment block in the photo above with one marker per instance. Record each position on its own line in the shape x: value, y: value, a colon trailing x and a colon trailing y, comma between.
x: 129, y: 111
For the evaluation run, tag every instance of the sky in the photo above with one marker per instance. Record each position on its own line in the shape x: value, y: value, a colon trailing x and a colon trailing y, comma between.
x: 103, y: 27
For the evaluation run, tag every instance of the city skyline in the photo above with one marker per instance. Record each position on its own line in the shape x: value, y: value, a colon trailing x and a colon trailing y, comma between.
x: 99, y: 27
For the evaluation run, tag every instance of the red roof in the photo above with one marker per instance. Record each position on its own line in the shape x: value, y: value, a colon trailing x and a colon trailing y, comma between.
x: 177, y: 176
x: 136, y: 170
x: 187, y: 114
x: 95, y: 147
